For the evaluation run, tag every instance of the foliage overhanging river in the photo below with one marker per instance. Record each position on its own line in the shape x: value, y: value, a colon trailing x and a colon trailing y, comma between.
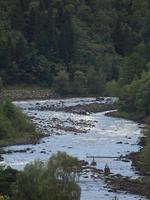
x: 80, y: 135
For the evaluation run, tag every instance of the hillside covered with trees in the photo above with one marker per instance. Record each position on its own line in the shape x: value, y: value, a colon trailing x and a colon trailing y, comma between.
x: 74, y: 46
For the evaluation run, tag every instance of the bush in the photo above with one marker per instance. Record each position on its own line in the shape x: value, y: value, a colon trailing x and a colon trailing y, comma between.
x: 13, y: 123
x: 55, y: 180
x: 136, y: 96
x: 62, y: 84
x: 7, y: 178
x: 112, y: 88
x: 142, y: 100
x: 79, y: 84
x: 144, y: 154
x: 1, y: 84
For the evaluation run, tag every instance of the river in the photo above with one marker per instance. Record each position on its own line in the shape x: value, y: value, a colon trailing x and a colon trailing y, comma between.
x: 80, y: 135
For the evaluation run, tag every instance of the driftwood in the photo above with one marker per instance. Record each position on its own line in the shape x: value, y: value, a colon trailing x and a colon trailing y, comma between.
x: 119, y: 157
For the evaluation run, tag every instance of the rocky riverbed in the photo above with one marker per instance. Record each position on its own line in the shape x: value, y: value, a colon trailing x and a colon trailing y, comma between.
x: 84, y: 135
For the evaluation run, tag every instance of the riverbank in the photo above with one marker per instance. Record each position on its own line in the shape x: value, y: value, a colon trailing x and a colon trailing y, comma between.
x: 81, y: 109
x: 140, y: 160
x: 26, y: 134
x: 27, y: 94
x: 15, y: 127
x: 29, y: 138
x: 33, y: 93
x: 138, y: 117
x: 32, y: 138
x: 137, y: 186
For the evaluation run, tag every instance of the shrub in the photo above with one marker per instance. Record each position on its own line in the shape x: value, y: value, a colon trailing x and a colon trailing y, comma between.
x: 1, y: 84
x: 144, y: 154
x: 79, y: 84
x: 112, y: 88
x: 13, y: 123
x: 62, y: 84
x: 7, y: 178
x: 55, y: 180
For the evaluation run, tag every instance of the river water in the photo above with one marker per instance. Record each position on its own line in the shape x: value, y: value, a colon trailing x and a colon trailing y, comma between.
x: 96, y: 135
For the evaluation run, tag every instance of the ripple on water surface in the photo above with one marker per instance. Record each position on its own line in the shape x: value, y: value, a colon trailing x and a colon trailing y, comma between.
x: 108, y: 137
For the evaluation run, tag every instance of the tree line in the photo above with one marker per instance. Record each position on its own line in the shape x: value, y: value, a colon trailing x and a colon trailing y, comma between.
x: 78, y: 47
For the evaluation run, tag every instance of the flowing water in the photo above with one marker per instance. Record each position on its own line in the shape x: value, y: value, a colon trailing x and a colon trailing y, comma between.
x: 95, y: 135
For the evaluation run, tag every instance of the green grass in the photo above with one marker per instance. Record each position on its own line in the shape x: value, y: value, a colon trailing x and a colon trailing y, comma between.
x: 143, y: 163
x: 144, y: 156
x: 15, y: 127
x: 140, y: 117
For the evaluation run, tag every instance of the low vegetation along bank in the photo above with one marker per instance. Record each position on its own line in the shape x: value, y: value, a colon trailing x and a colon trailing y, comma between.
x: 18, y: 94
x: 140, y: 160
x: 15, y: 127
x: 135, y: 105
x: 57, y: 179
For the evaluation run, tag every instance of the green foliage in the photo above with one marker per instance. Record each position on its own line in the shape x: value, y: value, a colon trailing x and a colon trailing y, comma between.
x: 113, y: 88
x: 128, y: 95
x: 79, y: 84
x: 142, y: 100
x: 55, y: 180
x: 144, y: 162
x: 1, y: 84
x: 136, y: 96
x: 95, y: 81
x: 132, y: 68
x: 62, y: 83
x: 13, y: 123
x: 104, y: 40
x: 7, y: 178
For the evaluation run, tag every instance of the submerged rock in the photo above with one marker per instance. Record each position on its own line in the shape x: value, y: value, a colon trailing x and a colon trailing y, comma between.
x: 84, y: 163
x: 119, y: 142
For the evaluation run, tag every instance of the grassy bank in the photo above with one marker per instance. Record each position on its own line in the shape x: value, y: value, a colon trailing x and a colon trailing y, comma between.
x: 141, y: 159
x: 138, y: 117
x: 15, y: 127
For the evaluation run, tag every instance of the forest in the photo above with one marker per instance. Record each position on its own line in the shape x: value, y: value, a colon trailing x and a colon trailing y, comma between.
x: 76, y: 47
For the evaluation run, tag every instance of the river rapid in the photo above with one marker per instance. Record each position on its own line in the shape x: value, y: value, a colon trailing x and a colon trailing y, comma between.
x: 80, y: 135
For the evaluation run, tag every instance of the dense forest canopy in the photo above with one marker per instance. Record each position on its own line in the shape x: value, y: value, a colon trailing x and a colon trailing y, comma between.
x: 75, y: 46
